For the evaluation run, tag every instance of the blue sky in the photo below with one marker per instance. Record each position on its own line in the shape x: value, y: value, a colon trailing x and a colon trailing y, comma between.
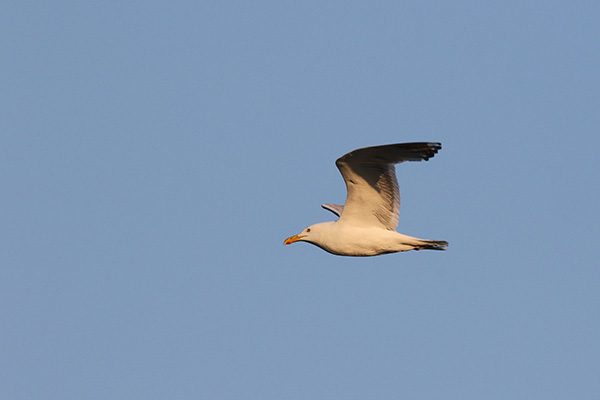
x: 155, y: 155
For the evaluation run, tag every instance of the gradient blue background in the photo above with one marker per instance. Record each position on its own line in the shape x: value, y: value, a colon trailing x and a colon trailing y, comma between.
x: 154, y: 156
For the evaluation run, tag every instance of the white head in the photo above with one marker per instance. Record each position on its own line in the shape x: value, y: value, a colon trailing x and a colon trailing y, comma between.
x: 312, y: 234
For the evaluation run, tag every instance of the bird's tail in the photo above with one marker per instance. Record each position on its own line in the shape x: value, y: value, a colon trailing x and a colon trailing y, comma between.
x: 431, y: 245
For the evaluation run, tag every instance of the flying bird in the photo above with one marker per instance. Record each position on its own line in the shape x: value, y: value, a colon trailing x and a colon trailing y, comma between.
x: 367, y: 222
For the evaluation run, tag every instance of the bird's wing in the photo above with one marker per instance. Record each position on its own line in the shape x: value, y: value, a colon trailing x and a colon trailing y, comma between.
x: 334, y: 208
x: 370, y: 176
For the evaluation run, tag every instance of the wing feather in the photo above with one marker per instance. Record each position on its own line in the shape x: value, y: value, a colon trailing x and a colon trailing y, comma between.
x: 334, y: 208
x: 370, y: 175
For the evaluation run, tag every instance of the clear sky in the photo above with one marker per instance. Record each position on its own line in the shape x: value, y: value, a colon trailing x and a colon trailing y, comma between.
x: 154, y: 156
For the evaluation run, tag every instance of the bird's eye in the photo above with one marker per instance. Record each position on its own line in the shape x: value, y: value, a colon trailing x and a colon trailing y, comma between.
x: 307, y: 230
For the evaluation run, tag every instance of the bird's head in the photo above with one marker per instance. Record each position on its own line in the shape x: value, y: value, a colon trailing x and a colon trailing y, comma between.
x: 311, y: 234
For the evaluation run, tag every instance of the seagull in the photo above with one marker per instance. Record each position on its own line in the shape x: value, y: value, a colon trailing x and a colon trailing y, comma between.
x: 367, y: 222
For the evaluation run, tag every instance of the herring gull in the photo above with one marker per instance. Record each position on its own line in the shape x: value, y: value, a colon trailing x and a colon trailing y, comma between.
x: 367, y: 222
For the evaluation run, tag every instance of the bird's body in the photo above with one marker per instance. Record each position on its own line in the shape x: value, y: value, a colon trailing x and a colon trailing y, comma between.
x: 368, y: 220
x: 340, y: 239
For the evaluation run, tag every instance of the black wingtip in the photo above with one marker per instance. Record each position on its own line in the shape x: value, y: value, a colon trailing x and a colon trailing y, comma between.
x: 425, y: 150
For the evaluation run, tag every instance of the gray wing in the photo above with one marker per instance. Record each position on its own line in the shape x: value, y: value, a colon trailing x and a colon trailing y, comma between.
x: 370, y: 175
x: 334, y: 208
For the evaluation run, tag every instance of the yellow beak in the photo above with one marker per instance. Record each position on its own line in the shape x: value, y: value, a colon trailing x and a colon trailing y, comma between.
x: 292, y: 239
